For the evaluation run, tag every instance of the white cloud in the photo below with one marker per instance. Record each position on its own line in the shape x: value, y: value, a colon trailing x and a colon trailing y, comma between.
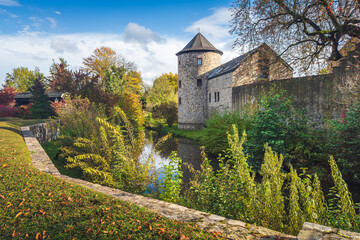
x: 215, y: 25
x: 152, y: 57
x: 60, y: 45
x: 30, y: 49
x: 4, y: 12
x: 10, y: 3
x: 58, y: 12
x: 133, y: 32
x: 52, y: 22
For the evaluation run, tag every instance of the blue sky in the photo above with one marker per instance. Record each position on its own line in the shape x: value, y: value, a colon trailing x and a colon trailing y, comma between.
x: 149, y: 33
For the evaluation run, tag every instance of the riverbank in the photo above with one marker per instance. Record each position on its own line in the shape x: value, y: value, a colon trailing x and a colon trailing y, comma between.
x: 38, y: 205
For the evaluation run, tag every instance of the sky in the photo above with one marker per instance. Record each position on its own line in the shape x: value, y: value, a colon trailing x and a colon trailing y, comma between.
x: 33, y: 33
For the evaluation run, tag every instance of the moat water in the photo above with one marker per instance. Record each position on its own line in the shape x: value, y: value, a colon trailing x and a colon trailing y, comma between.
x: 190, y: 153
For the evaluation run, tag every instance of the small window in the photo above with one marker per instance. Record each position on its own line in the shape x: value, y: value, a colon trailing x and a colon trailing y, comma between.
x: 179, y: 84
x: 215, y: 97
x: 209, y: 97
x: 199, y: 61
x: 218, y: 98
x: 179, y: 100
x: 179, y: 61
x: 199, y: 82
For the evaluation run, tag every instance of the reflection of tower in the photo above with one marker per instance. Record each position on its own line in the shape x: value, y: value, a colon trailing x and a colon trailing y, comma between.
x: 190, y: 153
x: 198, y: 57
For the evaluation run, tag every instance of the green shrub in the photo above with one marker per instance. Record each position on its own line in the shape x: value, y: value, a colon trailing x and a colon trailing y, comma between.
x: 344, y: 142
x: 283, y: 126
x: 281, y: 201
x: 218, y: 125
x: 167, y: 111
x: 173, y: 180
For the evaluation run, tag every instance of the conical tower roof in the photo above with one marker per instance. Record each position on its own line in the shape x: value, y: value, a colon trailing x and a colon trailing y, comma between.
x: 199, y: 43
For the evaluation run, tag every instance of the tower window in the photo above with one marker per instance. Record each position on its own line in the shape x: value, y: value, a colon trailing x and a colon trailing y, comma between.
x: 218, y: 98
x: 179, y: 84
x: 199, y: 61
x: 209, y: 97
x: 179, y: 100
x: 215, y: 97
x: 199, y: 82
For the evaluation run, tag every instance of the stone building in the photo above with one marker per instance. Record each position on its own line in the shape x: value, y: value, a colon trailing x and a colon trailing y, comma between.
x: 205, y: 85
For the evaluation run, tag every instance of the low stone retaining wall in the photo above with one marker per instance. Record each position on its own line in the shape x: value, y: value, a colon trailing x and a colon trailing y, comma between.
x: 230, y: 229
x: 45, y: 132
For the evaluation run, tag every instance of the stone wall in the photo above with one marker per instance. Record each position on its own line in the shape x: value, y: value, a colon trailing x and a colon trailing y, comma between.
x: 221, y: 84
x: 315, y: 93
x: 45, y: 132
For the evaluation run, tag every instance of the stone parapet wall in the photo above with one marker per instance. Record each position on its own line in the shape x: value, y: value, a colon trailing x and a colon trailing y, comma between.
x: 315, y: 93
x: 45, y: 132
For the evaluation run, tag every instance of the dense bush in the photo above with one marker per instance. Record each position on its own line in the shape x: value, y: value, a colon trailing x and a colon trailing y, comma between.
x: 344, y: 142
x: 281, y: 201
x: 7, y: 102
x: 284, y: 126
x: 216, y: 127
x: 7, y: 111
x: 167, y: 111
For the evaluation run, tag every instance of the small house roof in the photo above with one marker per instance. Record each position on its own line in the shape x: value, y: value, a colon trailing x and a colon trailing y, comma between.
x: 199, y: 43
x: 29, y: 95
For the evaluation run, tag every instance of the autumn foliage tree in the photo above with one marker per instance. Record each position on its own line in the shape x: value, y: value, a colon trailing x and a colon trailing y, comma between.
x: 103, y: 59
x: 303, y: 29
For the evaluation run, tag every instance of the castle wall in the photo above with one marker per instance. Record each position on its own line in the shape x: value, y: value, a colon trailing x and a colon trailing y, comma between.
x: 315, y: 93
x: 223, y: 85
x: 193, y: 107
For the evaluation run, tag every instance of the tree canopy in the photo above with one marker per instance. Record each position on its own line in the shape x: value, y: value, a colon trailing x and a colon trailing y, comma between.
x: 22, y: 78
x: 103, y: 59
x: 164, y: 90
x: 303, y: 29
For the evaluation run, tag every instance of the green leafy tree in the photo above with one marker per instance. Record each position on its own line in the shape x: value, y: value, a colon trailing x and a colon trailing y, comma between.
x: 163, y: 90
x: 23, y: 79
x: 167, y: 111
x: 41, y: 104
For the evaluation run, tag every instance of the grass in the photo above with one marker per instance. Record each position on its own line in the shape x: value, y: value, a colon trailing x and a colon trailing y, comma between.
x: 36, y: 205
x: 196, y: 135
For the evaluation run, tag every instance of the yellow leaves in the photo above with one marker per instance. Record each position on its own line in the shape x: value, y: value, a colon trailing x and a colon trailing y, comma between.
x: 42, y: 211
x: 17, y: 215
x: 22, y: 202
x: 2, y: 196
x: 5, y: 165
x: 40, y: 236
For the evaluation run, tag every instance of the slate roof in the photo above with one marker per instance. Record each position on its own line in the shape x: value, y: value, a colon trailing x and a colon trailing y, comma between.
x: 230, y: 66
x: 199, y: 43
x: 29, y: 95
x: 233, y: 64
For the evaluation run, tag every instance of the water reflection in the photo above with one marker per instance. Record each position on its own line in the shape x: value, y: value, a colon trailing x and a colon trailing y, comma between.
x: 189, y: 151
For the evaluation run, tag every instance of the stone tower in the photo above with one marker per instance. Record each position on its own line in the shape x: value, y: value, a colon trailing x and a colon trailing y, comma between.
x: 196, y: 58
